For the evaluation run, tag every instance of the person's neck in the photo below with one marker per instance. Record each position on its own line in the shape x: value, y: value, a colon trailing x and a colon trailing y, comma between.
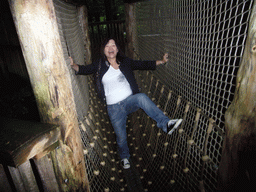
x: 113, y: 63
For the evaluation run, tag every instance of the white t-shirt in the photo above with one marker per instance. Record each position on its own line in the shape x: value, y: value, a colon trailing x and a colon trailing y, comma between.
x: 116, y: 86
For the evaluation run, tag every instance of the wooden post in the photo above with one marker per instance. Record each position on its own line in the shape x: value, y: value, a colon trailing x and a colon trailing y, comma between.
x: 237, y: 167
x: 38, y: 33
x: 130, y: 21
x: 83, y: 17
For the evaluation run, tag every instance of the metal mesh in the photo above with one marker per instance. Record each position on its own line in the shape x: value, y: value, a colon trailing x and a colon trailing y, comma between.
x: 205, y: 41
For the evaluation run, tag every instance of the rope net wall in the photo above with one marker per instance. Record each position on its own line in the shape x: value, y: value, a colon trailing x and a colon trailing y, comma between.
x: 205, y: 41
x: 97, y: 134
x: 72, y: 43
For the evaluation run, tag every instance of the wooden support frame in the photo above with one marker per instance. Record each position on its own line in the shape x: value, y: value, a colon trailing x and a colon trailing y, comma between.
x: 24, y: 140
x: 130, y: 20
x: 38, y: 33
x: 83, y: 18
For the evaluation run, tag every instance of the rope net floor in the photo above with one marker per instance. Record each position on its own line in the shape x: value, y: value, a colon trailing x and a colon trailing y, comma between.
x: 205, y: 41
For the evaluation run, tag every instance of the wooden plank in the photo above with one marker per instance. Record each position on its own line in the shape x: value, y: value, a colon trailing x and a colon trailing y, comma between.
x: 4, y: 183
x: 28, y: 177
x: 47, y: 150
x: 23, y: 140
x: 17, y: 179
x: 47, y: 175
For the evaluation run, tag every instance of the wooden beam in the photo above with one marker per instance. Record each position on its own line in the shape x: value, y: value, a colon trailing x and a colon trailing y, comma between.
x: 83, y: 18
x: 45, y: 168
x: 4, y: 184
x: 23, y: 140
x: 130, y: 21
x: 38, y: 33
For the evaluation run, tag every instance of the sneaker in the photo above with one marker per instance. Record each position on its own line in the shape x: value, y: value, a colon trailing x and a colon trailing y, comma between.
x: 172, y: 125
x: 125, y: 163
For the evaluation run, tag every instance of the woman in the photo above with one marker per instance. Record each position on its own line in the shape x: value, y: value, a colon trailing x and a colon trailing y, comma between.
x: 118, y: 87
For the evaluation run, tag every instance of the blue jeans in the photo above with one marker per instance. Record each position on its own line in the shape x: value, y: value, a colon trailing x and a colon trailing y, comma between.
x: 118, y: 115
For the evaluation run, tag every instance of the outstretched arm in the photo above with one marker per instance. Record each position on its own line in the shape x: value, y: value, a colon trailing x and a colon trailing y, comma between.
x: 163, y: 61
x: 148, y: 65
x: 84, y: 69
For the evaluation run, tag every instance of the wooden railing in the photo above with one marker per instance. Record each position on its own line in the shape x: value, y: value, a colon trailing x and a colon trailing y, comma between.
x: 25, y: 160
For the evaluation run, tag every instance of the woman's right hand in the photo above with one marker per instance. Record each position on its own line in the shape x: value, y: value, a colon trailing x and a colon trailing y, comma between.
x: 73, y: 65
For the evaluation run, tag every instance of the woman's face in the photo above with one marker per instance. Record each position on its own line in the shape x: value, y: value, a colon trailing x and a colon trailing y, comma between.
x: 111, y: 49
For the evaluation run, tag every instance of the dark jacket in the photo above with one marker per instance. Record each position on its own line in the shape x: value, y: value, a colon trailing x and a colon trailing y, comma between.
x: 126, y: 67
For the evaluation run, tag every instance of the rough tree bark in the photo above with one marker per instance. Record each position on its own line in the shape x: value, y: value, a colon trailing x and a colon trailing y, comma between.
x: 83, y: 17
x: 130, y: 20
x: 37, y: 29
x: 237, y: 167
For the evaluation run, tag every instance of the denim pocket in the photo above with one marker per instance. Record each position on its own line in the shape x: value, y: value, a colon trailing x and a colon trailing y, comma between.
x: 113, y: 111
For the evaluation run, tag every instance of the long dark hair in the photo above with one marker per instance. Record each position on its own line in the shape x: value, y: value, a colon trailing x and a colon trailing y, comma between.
x: 119, y: 57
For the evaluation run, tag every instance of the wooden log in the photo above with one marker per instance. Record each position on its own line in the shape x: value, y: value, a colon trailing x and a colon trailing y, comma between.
x: 38, y: 33
x: 237, y: 167
x: 130, y: 21
x: 83, y: 18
